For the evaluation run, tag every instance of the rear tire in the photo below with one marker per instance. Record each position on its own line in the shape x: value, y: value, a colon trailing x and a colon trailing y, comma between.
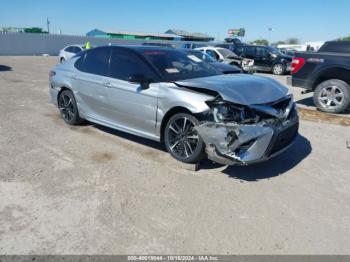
x: 182, y: 140
x: 332, y: 96
x: 68, y: 108
x: 279, y: 69
x: 62, y: 60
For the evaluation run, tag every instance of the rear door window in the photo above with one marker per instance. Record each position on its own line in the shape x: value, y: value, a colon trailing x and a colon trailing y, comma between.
x: 261, y: 52
x: 249, y: 51
x: 79, y: 64
x: 95, y: 61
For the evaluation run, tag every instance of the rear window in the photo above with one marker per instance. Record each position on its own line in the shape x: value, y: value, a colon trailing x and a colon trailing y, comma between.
x: 336, y: 47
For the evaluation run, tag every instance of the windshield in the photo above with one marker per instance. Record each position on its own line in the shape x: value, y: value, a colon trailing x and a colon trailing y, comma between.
x: 174, y: 65
x: 274, y: 51
x: 226, y: 53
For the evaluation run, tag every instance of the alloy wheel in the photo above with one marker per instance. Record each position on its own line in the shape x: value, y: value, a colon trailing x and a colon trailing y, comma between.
x: 66, y: 107
x: 278, y: 69
x: 182, y: 137
x: 331, y: 97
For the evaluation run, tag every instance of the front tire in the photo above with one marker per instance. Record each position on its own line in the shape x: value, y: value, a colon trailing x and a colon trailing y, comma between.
x: 68, y: 108
x: 182, y: 140
x: 62, y: 60
x: 279, y: 69
x: 332, y: 96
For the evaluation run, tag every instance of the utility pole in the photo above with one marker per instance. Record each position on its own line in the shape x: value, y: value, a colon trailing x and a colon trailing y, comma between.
x: 270, y: 31
x: 48, y: 25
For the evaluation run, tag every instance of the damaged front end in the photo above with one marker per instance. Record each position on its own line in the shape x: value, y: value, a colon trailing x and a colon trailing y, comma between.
x: 240, y: 134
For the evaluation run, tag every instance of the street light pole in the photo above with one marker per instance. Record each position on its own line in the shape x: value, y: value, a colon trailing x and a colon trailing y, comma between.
x: 270, y: 31
x: 48, y: 25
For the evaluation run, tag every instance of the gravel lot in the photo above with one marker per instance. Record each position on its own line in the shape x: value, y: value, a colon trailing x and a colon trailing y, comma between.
x: 93, y: 190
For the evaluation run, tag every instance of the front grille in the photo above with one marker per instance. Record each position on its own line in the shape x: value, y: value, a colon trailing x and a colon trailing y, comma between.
x: 284, y: 138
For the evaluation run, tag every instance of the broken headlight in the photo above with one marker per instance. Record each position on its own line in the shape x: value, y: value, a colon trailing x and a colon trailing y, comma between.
x: 229, y: 112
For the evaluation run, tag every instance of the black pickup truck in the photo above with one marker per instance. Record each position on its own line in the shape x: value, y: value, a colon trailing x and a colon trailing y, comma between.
x: 327, y: 74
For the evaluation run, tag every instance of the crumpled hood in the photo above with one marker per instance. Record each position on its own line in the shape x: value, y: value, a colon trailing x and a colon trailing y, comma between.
x: 225, y: 67
x: 240, y: 88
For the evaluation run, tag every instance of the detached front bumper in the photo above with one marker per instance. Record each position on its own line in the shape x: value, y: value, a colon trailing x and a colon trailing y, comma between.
x: 234, y: 144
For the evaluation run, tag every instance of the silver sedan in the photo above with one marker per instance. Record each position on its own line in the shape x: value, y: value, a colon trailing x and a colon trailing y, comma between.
x: 174, y: 97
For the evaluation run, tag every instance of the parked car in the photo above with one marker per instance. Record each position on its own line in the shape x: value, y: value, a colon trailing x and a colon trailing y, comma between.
x: 69, y: 51
x: 235, y: 47
x: 327, y: 74
x: 268, y: 59
x: 224, y: 68
x: 167, y: 95
x: 228, y: 57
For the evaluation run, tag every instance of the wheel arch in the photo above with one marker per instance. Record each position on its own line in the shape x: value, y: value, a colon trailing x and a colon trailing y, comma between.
x: 169, y: 114
x: 63, y: 88
x: 340, y: 73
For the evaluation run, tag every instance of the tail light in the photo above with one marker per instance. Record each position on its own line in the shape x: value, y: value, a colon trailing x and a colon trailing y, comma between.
x: 52, y: 73
x: 297, y: 64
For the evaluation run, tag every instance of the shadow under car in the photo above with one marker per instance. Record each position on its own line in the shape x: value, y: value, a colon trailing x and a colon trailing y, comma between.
x: 273, y: 167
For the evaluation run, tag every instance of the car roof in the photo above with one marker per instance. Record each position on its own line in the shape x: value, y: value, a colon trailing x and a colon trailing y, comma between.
x: 139, y: 48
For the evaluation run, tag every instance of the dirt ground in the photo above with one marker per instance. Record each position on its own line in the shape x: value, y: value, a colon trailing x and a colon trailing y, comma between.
x: 93, y: 190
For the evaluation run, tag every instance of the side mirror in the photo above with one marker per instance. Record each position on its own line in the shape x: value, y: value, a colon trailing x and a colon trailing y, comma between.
x: 139, y: 79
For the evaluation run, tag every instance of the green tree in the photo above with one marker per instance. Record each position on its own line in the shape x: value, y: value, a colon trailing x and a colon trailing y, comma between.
x: 292, y: 41
x: 346, y: 38
x: 35, y: 30
x: 280, y: 43
x: 261, y: 42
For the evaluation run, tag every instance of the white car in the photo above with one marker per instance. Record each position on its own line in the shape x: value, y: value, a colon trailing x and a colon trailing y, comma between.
x: 69, y: 51
x: 226, y: 56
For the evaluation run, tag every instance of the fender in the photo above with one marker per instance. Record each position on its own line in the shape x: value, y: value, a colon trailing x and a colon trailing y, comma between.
x: 322, y: 70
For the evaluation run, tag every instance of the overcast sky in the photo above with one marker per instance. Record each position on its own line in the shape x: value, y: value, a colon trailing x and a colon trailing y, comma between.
x: 308, y: 20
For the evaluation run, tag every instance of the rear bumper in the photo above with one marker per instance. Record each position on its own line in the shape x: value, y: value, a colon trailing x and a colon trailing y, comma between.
x: 297, y: 82
x: 53, y: 94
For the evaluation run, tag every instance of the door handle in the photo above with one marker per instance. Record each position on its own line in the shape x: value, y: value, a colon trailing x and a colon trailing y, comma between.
x: 73, y: 76
x: 107, y: 84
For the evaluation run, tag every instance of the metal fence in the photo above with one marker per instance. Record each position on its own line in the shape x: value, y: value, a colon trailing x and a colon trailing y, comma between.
x: 39, y: 44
